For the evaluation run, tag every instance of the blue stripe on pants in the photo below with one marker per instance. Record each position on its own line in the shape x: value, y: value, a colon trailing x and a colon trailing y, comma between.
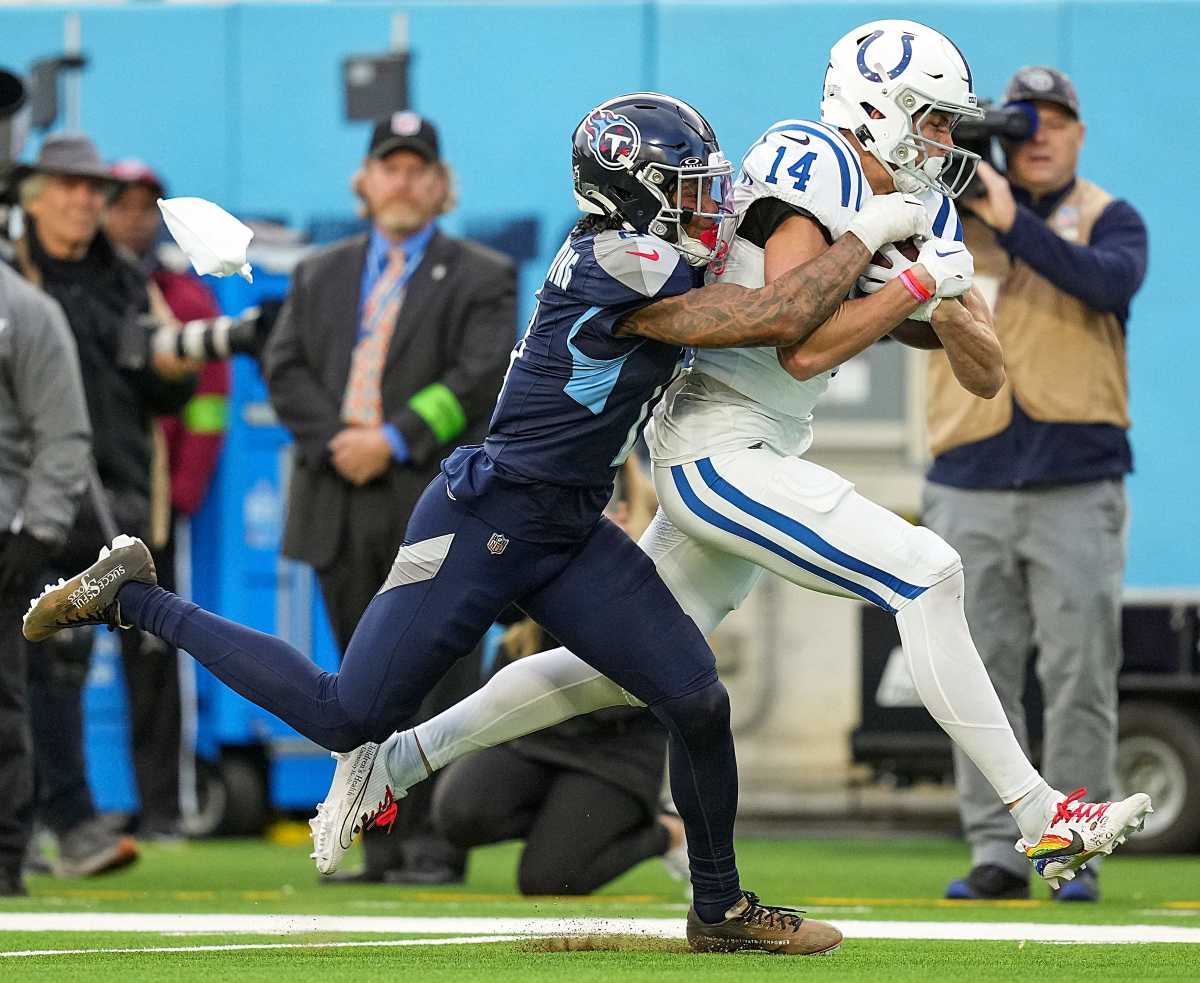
x: 801, y: 533
x: 715, y: 518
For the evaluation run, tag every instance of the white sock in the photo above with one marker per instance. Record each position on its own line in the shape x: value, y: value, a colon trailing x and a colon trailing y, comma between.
x: 1034, y: 810
x: 956, y: 690
x: 525, y: 696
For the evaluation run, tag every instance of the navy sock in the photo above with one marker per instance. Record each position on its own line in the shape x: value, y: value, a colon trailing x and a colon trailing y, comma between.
x: 704, y: 786
x: 262, y: 668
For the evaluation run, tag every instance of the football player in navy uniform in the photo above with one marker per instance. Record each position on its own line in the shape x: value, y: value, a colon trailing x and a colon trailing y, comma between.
x: 518, y: 519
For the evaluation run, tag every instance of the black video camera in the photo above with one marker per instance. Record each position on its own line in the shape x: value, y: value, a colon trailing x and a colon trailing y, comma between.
x: 1013, y: 123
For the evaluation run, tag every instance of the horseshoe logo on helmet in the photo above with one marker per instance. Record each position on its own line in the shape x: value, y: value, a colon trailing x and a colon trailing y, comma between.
x: 906, y: 40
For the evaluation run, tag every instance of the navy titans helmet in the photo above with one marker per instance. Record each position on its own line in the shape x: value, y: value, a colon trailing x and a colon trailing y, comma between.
x: 652, y: 164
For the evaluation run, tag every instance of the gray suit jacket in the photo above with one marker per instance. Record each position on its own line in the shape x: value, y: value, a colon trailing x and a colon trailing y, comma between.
x: 456, y: 326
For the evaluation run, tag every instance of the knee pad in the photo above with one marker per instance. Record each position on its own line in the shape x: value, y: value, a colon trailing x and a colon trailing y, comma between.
x: 704, y: 711
x: 933, y: 562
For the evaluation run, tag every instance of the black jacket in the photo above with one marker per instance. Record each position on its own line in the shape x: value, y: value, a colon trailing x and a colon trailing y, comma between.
x: 456, y: 326
x: 103, y: 297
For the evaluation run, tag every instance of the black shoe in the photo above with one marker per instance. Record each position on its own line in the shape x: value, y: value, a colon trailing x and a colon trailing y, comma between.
x: 425, y: 871
x: 12, y: 884
x: 90, y: 597
x: 987, y: 882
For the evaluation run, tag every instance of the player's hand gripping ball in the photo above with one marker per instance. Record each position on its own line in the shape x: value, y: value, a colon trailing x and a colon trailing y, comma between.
x: 888, y: 263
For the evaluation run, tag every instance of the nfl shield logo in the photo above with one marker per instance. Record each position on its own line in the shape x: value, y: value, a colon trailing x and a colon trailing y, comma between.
x: 497, y: 543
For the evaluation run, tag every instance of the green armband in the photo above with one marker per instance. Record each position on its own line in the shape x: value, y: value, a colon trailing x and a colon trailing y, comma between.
x: 441, y: 411
x: 206, y: 414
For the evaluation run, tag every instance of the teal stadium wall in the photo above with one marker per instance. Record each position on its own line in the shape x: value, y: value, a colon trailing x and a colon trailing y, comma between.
x: 242, y: 103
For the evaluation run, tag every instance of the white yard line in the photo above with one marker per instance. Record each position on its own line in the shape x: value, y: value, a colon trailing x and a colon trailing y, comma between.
x: 475, y: 930
x: 387, y: 943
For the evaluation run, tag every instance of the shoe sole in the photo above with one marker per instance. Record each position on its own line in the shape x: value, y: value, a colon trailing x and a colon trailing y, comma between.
x: 343, y: 824
x: 1065, y: 870
x: 727, y: 946
x: 55, y: 599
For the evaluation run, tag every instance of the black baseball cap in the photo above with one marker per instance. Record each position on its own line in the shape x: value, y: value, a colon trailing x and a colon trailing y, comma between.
x: 1042, y: 83
x: 404, y: 130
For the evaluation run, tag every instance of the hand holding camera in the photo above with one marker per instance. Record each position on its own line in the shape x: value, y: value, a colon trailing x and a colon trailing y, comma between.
x: 996, y: 205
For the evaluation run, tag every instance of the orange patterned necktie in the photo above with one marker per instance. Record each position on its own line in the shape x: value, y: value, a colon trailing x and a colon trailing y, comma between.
x: 362, y: 403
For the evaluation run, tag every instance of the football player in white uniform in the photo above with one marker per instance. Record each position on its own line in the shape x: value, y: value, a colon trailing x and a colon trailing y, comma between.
x: 737, y: 497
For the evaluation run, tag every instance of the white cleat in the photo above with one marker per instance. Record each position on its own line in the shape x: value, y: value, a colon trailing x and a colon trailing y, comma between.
x: 1081, y: 830
x: 360, y: 797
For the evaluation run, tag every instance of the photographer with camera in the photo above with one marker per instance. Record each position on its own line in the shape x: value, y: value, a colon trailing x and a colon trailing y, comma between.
x: 105, y: 298
x: 1029, y: 486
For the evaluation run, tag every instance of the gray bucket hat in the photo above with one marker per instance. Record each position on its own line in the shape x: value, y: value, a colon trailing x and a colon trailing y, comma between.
x: 71, y: 154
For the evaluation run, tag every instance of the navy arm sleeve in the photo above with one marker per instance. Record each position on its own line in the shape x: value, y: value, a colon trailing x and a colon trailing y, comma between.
x: 1104, y: 274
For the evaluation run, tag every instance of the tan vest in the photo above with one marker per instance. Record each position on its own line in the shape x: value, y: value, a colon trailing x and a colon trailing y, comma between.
x: 1065, y: 362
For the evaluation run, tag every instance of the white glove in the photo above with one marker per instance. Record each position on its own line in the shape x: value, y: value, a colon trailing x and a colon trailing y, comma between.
x: 890, y: 218
x: 876, y: 277
x: 951, y: 266
x: 213, y: 239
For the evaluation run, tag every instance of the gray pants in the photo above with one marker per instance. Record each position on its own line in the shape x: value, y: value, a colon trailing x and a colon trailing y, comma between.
x: 1044, y: 569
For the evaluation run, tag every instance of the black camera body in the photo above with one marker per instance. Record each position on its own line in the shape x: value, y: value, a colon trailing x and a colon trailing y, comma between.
x: 1013, y: 123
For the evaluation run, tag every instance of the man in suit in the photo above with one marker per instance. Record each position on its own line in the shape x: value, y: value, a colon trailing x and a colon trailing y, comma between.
x: 388, y: 353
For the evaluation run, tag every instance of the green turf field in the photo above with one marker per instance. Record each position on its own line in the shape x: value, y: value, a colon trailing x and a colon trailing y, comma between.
x: 857, y: 882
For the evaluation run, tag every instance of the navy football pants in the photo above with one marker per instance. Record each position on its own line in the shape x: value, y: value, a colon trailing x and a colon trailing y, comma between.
x: 601, y: 597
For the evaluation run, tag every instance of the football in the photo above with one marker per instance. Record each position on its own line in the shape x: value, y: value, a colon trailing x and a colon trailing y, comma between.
x: 909, y: 248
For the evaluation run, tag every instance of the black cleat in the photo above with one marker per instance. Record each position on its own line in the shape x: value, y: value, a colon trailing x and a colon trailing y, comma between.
x: 988, y: 882
x: 90, y: 598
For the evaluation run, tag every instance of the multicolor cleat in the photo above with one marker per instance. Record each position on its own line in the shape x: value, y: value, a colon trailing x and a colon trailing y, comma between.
x: 1081, y: 830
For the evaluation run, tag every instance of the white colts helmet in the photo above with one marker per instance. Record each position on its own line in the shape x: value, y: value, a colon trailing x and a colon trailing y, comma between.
x: 883, y: 80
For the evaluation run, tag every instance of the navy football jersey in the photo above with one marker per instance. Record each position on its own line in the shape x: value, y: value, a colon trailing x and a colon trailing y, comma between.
x: 577, y: 395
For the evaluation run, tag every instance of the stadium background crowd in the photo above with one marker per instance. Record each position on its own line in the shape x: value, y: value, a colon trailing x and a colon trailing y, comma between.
x: 231, y: 126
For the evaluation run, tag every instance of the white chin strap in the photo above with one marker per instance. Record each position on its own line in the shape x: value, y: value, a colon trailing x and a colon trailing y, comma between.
x: 907, y: 181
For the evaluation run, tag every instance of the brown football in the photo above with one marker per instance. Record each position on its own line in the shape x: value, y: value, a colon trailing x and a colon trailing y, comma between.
x: 908, y: 248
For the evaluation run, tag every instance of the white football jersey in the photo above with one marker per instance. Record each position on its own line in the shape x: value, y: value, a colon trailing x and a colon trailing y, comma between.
x: 813, y: 167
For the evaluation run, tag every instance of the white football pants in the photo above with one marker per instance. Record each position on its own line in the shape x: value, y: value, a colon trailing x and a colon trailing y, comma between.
x: 722, y: 521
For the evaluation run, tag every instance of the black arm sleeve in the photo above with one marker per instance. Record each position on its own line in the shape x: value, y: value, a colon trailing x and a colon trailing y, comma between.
x: 768, y: 214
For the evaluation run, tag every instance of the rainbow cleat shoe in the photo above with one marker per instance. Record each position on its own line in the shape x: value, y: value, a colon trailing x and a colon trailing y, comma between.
x: 1080, y: 830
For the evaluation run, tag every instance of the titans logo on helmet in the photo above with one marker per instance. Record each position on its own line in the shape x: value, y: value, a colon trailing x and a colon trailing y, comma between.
x: 614, y: 139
